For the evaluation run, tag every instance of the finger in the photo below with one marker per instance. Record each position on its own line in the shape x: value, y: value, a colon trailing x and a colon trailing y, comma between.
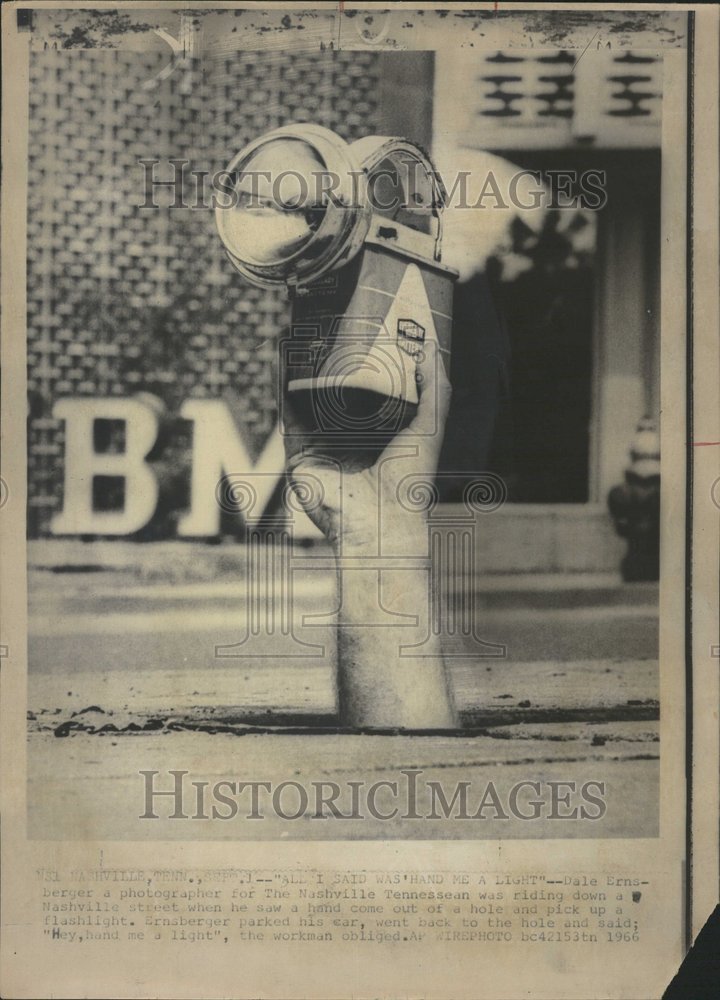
x: 317, y: 483
x: 291, y: 428
x: 434, y: 389
x: 308, y: 462
x: 427, y: 428
x: 298, y: 437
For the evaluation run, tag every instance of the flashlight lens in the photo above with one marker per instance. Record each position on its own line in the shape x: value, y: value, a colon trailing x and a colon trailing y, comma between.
x: 299, y: 207
x: 278, y: 202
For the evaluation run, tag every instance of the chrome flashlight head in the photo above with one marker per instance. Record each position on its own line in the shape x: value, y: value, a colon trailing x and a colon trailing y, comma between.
x: 298, y: 206
x: 302, y: 201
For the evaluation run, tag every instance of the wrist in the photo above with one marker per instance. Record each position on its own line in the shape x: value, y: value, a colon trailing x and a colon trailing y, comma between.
x: 394, y: 545
x: 391, y: 605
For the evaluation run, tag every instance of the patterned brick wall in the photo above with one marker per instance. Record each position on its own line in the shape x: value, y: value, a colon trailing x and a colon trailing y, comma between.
x: 123, y: 299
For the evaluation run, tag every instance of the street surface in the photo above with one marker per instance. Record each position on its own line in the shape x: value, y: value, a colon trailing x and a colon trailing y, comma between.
x: 127, y: 673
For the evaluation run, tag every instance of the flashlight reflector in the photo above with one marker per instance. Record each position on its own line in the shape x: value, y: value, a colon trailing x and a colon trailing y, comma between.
x: 275, y: 210
x: 298, y: 206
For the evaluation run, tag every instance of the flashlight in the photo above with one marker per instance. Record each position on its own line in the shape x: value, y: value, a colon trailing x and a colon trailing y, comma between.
x: 354, y: 231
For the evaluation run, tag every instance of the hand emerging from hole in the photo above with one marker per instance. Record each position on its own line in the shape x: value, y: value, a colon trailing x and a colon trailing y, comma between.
x: 373, y: 510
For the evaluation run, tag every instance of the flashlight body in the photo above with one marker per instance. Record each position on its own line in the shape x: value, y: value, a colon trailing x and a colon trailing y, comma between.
x: 356, y: 334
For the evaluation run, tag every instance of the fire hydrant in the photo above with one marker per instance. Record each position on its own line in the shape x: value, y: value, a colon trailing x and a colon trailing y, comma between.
x: 635, y: 506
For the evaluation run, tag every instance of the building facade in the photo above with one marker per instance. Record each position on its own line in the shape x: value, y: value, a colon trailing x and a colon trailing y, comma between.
x: 127, y: 302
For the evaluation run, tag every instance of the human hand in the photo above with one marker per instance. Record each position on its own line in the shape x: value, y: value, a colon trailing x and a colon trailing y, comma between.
x: 363, y: 506
x: 375, y: 517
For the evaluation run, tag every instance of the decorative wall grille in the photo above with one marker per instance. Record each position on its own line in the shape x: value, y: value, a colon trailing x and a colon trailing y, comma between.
x: 123, y: 300
x: 521, y: 99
